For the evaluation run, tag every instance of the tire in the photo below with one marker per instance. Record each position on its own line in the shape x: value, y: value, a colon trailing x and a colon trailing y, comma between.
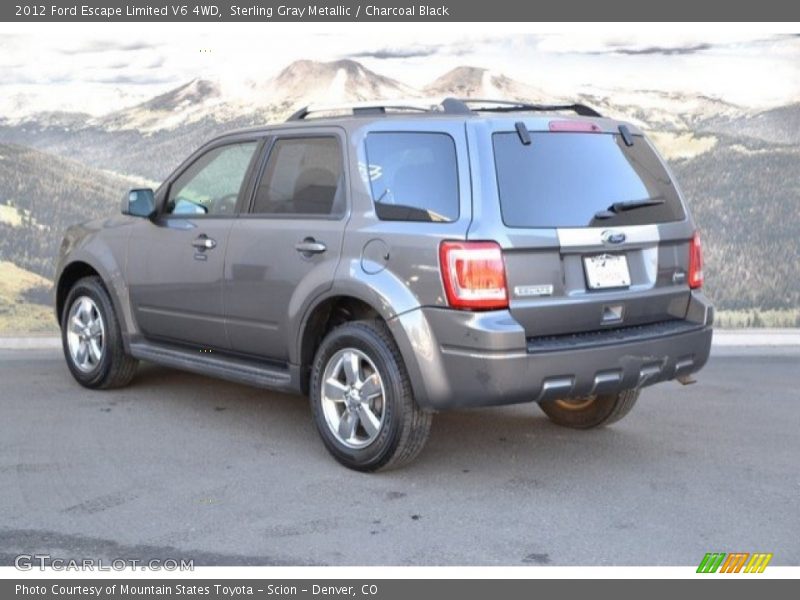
x: 593, y: 411
x: 109, y: 368
x: 397, y: 429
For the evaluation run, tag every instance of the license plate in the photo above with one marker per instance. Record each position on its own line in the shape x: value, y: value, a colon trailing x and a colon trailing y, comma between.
x: 606, y: 271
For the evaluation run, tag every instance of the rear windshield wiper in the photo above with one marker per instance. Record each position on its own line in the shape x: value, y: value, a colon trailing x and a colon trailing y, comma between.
x: 619, y: 207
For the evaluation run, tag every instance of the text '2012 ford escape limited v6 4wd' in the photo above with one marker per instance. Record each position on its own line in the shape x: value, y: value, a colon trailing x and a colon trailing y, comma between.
x: 393, y: 261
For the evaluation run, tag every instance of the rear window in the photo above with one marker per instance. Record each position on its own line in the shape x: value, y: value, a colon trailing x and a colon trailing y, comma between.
x: 413, y: 176
x: 568, y: 179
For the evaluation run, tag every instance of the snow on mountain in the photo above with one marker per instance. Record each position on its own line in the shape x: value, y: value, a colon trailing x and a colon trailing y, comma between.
x: 302, y: 82
x: 475, y: 82
x: 212, y: 104
x: 57, y: 119
x: 31, y: 102
x: 190, y: 102
x: 306, y: 82
x: 654, y: 109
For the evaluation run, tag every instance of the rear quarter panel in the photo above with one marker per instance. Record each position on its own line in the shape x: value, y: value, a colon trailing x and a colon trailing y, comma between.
x: 396, y: 263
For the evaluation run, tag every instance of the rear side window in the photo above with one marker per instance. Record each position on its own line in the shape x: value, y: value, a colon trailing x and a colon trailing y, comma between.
x: 573, y: 179
x: 413, y: 176
x: 303, y: 176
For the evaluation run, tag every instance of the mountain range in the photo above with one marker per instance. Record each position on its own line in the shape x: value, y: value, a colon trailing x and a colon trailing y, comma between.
x: 738, y: 166
x: 187, y: 115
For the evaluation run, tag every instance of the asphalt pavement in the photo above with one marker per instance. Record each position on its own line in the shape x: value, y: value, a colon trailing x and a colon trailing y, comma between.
x: 182, y: 466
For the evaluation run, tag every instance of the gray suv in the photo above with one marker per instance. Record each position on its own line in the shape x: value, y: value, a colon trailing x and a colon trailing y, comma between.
x: 391, y: 261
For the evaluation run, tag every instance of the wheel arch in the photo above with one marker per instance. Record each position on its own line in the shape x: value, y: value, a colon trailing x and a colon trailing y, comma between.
x: 321, y: 317
x: 69, y: 276
x: 355, y: 302
x: 83, y: 266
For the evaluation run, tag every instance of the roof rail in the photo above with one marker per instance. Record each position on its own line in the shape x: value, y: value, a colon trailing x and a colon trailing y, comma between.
x: 512, y: 106
x: 367, y: 108
x: 450, y: 106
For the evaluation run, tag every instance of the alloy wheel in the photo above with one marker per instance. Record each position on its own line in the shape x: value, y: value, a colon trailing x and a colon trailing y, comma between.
x: 353, y: 398
x: 85, y: 334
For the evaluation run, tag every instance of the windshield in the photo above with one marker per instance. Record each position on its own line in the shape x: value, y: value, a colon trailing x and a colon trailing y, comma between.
x: 582, y: 180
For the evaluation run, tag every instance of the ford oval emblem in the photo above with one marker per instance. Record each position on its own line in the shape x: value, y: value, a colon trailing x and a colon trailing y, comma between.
x: 613, y: 237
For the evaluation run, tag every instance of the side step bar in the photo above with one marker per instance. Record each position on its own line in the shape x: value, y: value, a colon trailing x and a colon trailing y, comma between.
x: 225, y: 367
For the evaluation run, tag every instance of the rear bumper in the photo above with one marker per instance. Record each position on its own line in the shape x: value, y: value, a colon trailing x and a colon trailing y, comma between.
x: 461, y: 359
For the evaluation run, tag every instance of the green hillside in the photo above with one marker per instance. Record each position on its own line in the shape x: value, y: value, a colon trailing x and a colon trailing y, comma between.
x: 24, y: 301
x: 40, y: 196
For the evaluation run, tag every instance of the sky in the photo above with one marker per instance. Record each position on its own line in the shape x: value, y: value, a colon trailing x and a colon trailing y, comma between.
x: 102, y: 67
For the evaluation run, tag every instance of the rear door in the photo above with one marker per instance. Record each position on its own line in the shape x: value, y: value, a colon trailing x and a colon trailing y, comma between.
x: 595, y: 234
x: 285, y: 247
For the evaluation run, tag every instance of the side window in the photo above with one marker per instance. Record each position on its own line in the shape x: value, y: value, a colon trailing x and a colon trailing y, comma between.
x: 413, y: 176
x: 303, y: 176
x: 210, y: 186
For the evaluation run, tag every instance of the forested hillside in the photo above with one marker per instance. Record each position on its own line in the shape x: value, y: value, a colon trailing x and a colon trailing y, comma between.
x: 41, y: 195
x: 746, y: 200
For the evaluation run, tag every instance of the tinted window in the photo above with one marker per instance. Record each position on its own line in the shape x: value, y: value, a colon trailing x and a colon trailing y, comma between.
x: 210, y: 186
x: 413, y: 176
x: 303, y: 177
x: 565, y: 179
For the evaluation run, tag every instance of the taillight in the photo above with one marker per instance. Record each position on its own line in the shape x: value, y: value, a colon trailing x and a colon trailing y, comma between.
x: 695, y: 262
x: 474, y: 275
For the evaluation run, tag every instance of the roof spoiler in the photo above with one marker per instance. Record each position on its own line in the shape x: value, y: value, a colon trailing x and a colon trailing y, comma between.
x: 502, y: 106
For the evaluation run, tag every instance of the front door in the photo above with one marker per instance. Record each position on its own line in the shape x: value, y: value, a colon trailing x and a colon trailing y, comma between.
x: 176, y: 261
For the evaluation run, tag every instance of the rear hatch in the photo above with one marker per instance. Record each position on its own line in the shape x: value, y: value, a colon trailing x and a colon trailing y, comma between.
x: 596, y: 234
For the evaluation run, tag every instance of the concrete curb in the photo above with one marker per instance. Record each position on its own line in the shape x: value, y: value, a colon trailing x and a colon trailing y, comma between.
x: 757, y: 337
x: 723, y: 338
x: 29, y: 343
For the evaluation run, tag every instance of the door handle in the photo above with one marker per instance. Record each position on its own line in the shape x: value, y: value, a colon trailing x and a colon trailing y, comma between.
x: 310, y: 246
x: 204, y: 242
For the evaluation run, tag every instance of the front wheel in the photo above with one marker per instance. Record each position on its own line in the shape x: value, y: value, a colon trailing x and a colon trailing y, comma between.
x: 361, y: 399
x: 591, y: 411
x: 91, y: 338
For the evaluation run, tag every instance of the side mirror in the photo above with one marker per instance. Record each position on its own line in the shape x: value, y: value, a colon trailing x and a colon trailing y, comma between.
x: 139, y: 203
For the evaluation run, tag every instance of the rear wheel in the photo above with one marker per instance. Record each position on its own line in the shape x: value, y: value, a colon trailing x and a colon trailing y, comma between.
x: 91, y: 337
x: 362, y: 401
x: 590, y: 411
